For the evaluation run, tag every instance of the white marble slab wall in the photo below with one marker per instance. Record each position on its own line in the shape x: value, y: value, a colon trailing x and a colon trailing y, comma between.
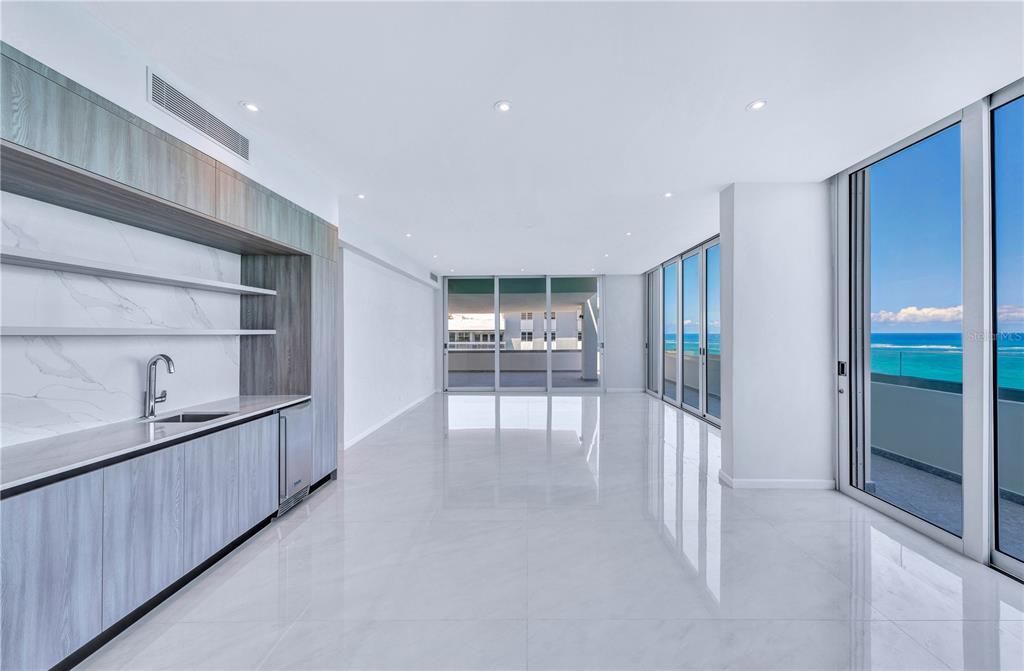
x: 53, y: 385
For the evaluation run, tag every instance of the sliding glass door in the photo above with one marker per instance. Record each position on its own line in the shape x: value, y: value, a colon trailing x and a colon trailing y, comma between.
x: 522, y: 333
x: 910, y: 359
x: 690, y: 349
x: 670, y: 332
x: 471, y: 333
x: 523, y: 352
x: 653, y: 339
x: 684, y: 326
x: 930, y: 330
x: 713, y: 330
x: 1008, y: 215
x: 575, y: 333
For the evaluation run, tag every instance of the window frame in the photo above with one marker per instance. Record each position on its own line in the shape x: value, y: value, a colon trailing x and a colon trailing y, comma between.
x: 658, y: 272
x: 977, y: 286
x: 1000, y: 559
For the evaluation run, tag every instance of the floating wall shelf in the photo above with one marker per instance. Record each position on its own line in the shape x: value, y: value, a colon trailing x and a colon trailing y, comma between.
x: 67, y: 264
x: 102, y: 331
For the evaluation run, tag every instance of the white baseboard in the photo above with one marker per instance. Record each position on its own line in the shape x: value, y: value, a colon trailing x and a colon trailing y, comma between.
x: 623, y: 390
x: 774, y: 483
x: 401, y: 411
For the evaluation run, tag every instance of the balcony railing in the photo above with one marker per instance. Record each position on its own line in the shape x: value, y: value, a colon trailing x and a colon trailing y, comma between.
x: 943, y: 371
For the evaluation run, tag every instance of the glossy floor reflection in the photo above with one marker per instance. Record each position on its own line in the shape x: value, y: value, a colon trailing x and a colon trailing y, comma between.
x: 575, y: 532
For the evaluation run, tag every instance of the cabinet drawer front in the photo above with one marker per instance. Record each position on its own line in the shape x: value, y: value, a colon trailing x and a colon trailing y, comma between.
x: 143, y: 532
x: 211, y: 495
x: 50, y: 571
x: 258, y: 470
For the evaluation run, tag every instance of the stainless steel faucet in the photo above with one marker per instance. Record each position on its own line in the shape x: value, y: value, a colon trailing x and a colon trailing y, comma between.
x: 151, y: 396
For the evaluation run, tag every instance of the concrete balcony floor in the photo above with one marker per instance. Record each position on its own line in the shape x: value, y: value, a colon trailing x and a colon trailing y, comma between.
x: 939, y: 500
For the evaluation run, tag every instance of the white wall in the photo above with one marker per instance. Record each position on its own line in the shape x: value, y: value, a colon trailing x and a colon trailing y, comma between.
x: 53, y: 385
x: 623, y: 307
x: 777, y: 365
x: 390, y: 343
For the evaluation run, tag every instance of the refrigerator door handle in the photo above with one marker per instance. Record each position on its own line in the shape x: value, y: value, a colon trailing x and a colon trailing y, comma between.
x: 282, y: 453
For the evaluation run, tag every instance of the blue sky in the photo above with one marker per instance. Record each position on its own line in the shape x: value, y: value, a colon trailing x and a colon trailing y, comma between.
x: 691, y: 293
x: 669, y: 298
x: 915, y: 236
x: 1008, y: 130
x: 915, y: 230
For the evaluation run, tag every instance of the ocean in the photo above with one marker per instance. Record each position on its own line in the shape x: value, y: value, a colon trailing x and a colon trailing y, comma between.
x: 939, y: 356
x: 932, y: 356
x: 691, y: 343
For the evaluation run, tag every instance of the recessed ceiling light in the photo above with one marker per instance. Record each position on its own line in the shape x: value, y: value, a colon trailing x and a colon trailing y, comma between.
x: 606, y: 256
x: 408, y: 235
x: 249, y: 106
x: 435, y: 256
x: 451, y: 270
x: 628, y: 234
x: 757, y: 105
x: 593, y: 269
x: 361, y: 196
x: 668, y: 194
x: 503, y: 105
x: 522, y: 270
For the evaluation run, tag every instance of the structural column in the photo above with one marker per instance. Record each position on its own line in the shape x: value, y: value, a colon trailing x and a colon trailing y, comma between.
x: 777, y: 336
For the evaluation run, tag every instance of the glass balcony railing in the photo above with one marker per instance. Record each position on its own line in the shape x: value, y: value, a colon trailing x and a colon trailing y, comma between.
x: 924, y: 368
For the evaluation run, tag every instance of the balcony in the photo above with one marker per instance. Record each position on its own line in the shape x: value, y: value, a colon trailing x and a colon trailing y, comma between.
x: 916, y: 445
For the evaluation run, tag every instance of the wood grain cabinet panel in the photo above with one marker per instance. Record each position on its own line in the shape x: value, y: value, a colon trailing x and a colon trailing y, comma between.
x: 278, y: 364
x: 258, y: 470
x: 326, y: 239
x: 231, y: 205
x: 211, y: 495
x: 245, y: 203
x: 143, y: 532
x: 324, y: 379
x: 42, y: 115
x: 301, y: 229
x: 50, y: 571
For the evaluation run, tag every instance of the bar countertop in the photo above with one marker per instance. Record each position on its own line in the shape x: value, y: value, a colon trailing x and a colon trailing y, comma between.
x: 27, y: 465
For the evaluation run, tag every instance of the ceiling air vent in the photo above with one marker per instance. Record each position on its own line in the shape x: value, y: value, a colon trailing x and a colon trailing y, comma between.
x: 433, y: 277
x: 172, y: 100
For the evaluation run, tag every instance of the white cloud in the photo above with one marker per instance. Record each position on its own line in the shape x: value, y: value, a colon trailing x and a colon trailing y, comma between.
x: 915, y: 315
x: 1011, y: 313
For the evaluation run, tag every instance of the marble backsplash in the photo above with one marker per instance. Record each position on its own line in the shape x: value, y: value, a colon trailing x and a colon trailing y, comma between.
x: 53, y: 385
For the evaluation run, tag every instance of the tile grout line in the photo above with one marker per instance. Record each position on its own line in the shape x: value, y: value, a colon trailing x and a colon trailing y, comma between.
x: 921, y: 644
x: 277, y: 643
x: 526, y: 531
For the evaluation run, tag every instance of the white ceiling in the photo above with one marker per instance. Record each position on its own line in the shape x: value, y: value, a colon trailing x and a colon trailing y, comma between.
x: 612, y: 105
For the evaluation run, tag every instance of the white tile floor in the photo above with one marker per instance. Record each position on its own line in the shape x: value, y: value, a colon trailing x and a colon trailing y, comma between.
x: 585, y: 532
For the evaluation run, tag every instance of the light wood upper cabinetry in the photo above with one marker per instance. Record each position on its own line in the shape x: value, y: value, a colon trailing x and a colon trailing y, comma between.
x: 50, y: 571
x: 244, y: 202
x: 42, y: 115
x: 55, y: 116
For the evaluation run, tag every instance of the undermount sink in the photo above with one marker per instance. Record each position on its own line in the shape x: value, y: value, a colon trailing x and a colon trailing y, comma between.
x: 190, y: 417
